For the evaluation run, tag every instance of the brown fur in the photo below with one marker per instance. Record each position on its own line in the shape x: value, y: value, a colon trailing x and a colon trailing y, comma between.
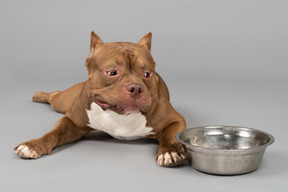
x: 131, y: 61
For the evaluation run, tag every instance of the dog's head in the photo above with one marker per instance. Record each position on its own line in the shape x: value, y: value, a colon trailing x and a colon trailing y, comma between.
x: 122, y: 75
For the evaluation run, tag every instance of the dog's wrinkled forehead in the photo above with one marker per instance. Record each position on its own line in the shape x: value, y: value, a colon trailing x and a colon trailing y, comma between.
x: 126, y: 54
x: 130, y: 55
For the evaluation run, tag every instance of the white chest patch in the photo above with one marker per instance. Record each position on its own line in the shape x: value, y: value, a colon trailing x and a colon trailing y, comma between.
x: 124, y: 127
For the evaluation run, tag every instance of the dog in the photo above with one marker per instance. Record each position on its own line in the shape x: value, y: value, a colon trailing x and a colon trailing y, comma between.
x: 124, y: 96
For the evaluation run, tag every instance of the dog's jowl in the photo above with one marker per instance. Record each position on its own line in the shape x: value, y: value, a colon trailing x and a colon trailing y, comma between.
x: 123, y: 96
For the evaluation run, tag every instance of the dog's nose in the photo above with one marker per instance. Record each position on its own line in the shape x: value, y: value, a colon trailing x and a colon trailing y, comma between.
x: 135, y: 89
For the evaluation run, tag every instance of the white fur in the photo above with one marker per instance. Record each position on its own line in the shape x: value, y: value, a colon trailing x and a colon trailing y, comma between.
x: 25, y: 152
x: 124, y: 127
x: 160, y: 160
x: 170, y: 159
x: 167, y: 159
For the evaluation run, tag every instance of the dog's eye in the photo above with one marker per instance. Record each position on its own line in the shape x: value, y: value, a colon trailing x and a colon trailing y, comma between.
x: 147, y: 75
x: 112, y: 73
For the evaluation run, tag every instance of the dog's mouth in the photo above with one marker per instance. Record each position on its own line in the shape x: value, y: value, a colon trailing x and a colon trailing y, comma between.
x: 121, y: 109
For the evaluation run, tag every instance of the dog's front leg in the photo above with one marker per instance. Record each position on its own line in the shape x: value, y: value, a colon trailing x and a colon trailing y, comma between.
x: 65, y: 131
x: 170, y: 153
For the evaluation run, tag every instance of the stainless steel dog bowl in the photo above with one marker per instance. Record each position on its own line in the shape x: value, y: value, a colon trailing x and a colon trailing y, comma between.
x: 225, y: 150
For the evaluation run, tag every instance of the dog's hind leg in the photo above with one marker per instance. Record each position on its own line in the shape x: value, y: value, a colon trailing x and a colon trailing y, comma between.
x: 44, y: 97
x: 60, y: 101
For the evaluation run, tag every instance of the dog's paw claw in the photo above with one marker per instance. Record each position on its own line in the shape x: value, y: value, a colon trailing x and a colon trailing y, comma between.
x: 160, y: 160
x: 25, y: 152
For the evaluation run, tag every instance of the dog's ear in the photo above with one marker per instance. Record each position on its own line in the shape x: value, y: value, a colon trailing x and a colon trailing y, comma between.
x: 146, y: 41
x: 95, y: 41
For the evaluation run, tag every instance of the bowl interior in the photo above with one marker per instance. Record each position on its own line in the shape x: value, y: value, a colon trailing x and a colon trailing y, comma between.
x: 225, y: 138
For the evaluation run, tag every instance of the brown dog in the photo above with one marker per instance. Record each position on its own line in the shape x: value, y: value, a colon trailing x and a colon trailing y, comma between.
x: 123, y: 97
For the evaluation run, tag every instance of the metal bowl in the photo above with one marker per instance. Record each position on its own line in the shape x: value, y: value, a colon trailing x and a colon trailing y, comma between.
x: 225, y: 150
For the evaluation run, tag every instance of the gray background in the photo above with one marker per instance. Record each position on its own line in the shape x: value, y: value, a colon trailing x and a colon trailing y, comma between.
x: 225, y: 62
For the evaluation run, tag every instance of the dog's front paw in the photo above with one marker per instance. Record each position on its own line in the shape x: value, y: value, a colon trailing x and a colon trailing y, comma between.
x: 32, y: 149
x: 25, y: 152
x: 171, y: 159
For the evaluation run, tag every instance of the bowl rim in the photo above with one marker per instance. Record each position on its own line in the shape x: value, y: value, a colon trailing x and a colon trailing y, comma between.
x: 247, y: 150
